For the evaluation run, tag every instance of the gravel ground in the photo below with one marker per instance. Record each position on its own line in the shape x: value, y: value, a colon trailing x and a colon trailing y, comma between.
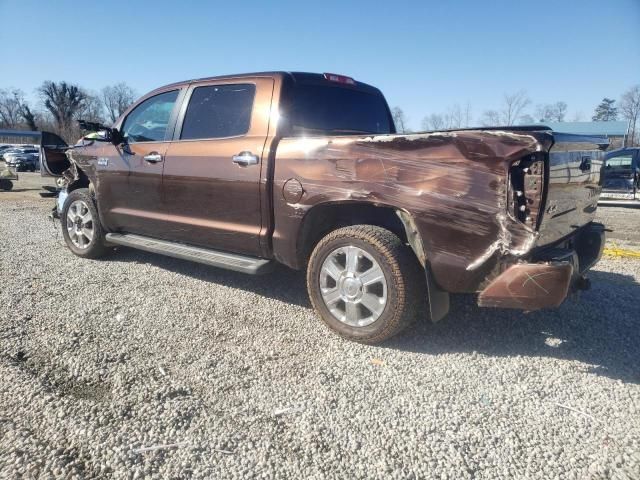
x: 145, y: 366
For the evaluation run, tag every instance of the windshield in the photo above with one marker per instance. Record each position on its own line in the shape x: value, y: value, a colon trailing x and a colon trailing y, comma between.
x: 328, y: 110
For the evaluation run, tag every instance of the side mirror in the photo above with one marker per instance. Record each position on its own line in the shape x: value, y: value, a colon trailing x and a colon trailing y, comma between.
x: 102, y: 133
x: 116, y: 136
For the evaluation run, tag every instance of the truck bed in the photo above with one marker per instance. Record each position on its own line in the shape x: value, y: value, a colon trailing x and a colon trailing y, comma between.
x: 458, y: 187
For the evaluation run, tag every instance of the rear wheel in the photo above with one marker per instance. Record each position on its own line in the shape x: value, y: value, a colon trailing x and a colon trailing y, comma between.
x: 365, y: 283
x: 6, y: 184
x: 81, y: 226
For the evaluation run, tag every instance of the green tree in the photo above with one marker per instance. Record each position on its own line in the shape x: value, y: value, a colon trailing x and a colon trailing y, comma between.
x: 606, y: 111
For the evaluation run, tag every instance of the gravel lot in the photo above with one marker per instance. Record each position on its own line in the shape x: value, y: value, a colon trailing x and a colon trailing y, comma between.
x: 103, y: 361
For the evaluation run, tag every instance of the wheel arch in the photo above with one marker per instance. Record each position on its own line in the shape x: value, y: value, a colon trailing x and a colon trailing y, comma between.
x: 79, y: 180
x: 323, y: 218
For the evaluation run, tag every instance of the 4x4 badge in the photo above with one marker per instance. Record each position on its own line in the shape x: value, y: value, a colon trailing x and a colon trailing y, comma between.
x: 103, y: 161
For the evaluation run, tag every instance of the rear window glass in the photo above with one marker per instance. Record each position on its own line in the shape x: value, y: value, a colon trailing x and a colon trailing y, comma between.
x: 320, y: 110
x: 219, y: 111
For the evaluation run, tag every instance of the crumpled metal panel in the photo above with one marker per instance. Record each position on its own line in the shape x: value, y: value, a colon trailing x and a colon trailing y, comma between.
x: 529, y: 286
x: 453, y: 184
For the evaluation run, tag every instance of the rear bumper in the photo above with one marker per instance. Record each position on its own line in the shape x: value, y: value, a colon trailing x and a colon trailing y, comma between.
x: 621, y: 197
x: 613, y: 202
x: 549, y: 276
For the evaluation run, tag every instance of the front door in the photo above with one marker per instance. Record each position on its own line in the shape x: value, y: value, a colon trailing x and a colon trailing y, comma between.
x: 212, y: 172
x: 136, y: 206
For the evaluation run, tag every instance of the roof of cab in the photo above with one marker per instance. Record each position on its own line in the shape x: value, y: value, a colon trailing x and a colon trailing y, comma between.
x: 302, y: 77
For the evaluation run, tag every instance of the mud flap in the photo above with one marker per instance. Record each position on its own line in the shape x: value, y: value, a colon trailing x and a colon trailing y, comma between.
x: 438, y: 298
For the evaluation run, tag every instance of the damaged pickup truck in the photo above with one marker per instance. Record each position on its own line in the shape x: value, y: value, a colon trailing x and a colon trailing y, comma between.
x: 307, y: 170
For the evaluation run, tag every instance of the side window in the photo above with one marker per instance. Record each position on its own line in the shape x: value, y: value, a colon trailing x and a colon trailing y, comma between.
x: 148, y: 121
x: 623, y: 162
x: 218, y: 111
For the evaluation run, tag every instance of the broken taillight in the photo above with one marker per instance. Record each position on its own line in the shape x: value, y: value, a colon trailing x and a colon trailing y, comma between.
x: 525, y: 189
x: 334, y: 77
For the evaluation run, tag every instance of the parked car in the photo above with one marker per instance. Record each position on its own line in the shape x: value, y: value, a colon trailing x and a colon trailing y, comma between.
x: 10, y: 154
x: 4, y: 149
x: 23, y: 159
x: 307, y: 170
x: 24, y: 162
x: 621, y: 184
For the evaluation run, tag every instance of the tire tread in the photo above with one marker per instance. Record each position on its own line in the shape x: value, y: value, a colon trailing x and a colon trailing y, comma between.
x: 408, y: 277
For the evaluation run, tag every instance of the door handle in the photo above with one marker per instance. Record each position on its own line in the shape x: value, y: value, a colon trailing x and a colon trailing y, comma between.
x: 245, y: 159
x: 153, y: 158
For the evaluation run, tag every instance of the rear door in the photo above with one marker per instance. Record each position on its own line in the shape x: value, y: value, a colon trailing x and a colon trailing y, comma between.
x: 212, y: 170
x: 130, y: 190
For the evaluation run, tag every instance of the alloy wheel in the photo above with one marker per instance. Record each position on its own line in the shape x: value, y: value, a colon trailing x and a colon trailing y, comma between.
x: 80, y: 224
x: 353, y: 286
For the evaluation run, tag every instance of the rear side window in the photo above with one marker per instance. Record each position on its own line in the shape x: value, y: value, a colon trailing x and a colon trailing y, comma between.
x: 148, y: 121
x: 324, y: 110
x: 218, y: 111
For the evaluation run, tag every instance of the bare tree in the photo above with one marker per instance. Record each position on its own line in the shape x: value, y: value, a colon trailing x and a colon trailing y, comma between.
x: 399, y: 119
x: 543, y: 113
x: 117, y: 98
x: 467, y: 115
x: 29, y: 117
x: 491, y: 117
x: 63, y: 100
x: 552, y: 112
x: 630, y: 110
x: 433, y: 122
x: 11, y: 101
x: 92, y: 109
x: 454, y: 117
x: 514, y: 105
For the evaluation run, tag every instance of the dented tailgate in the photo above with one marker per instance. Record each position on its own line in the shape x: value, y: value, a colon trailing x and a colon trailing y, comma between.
x: 574, y: 185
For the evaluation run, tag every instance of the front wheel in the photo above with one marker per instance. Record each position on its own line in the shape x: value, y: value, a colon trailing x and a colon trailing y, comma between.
x: 81, y: 226
x: 365, y: 283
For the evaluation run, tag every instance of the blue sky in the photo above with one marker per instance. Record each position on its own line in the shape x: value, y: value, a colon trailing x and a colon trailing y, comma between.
x: 424, y: 55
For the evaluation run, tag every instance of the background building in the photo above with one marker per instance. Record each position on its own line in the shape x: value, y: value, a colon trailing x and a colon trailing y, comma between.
x: 615, y: 131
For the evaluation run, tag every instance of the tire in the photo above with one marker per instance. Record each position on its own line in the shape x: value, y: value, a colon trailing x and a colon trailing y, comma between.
x: 402, y: 292
x: 6, y: 184
x: 76, y: 225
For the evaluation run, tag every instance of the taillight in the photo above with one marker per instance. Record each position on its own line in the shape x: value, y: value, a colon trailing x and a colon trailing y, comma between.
x: 525, y: 189
x: 334, y: 77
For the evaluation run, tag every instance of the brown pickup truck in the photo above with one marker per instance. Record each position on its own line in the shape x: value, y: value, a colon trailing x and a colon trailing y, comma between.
x: 307, y: 170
